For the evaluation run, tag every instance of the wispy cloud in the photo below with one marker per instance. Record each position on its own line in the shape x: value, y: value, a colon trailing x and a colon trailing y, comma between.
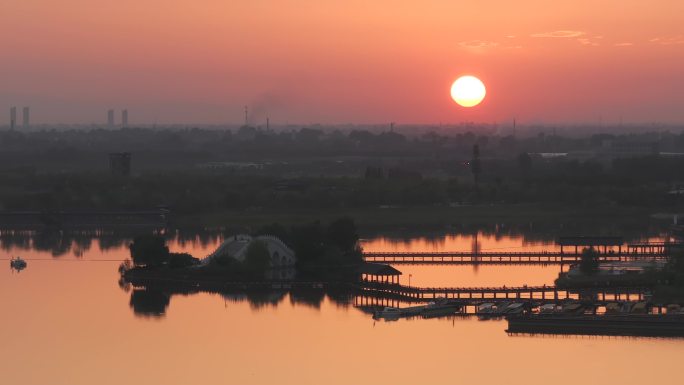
x: 560, y: 34
x: 589, y: 42
x: 478, y: 44
x: 625, y: 44
x: 668, y: 40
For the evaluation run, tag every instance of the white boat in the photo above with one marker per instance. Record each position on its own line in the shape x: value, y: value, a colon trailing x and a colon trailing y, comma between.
x: 440, y: 308
x: 414, y: 310
x: 17, y: 263
x: 389, y: 312
x: 485, y: 308
x: 548, y: 308
x: 514, y: 308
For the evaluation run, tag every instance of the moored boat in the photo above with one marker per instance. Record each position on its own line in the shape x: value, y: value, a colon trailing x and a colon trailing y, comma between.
x: 485, y: 308
x: 389, y: 313
x: 440, y: 308
x: 514, y: 308
x: 549, y: 308
x: 17, y: 263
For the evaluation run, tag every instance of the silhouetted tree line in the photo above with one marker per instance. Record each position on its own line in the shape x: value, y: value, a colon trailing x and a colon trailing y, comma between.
x: 320, y: 248
x: 151, y: 251
x: 153, y: 301
x: 53, y: 169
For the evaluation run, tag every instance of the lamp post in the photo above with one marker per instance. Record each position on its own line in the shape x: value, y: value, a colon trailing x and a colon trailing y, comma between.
x: 410, y: 275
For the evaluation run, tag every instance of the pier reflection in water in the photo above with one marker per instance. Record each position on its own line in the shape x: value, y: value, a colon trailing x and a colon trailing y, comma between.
x: 69, y: 318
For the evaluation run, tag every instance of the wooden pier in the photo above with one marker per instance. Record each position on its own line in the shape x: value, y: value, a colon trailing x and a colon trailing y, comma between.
x: 472, y: 295
x: 498, y: 257
x: 568, y: 251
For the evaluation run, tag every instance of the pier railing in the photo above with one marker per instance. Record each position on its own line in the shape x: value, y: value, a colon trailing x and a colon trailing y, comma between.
x: 523, y: 293
x: 497, y: 257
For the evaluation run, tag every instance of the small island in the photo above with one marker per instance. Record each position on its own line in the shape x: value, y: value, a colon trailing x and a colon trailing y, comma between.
x: 312, y: 252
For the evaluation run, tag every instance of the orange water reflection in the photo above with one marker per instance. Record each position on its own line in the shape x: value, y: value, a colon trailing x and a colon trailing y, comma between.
x: 457, y: 242
x: 466, y: 275
x: 66, y: 322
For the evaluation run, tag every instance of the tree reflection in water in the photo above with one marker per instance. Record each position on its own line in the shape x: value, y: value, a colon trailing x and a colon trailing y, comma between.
x: 311, y: 298
x: 153, y: 301
x: 149, y: 302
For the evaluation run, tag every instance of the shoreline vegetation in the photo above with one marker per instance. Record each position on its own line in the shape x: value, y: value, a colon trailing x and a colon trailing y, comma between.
x: 434, y: 215
x: 366, y: 218
x: 666, y: 282
x: 324, y: 252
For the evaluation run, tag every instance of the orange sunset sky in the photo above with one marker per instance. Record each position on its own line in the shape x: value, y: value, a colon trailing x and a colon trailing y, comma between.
x: 201, y: 61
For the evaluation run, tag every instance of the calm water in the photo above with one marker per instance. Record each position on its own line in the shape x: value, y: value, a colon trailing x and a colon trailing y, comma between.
x: 66, y: 321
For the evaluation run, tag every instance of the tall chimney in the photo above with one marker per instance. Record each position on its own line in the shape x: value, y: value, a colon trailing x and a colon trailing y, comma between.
x: 26, y: 117
x: 13, y: 117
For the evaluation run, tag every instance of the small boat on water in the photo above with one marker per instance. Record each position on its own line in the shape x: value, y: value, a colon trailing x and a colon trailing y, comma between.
x: 485, y: 308
x: 440, y: 308
x: 389, y: 313
x: 618, y: 308
x: 413, y: 310
x: 639, y: 308
x: 18, y: 264
x: 573, y: 308
x: 514, y: 308
x: 549, y: 308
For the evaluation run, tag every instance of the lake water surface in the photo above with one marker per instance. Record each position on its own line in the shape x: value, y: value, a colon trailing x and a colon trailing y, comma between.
x: 67, y: 321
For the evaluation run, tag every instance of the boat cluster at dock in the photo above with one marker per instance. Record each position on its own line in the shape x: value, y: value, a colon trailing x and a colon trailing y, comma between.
x: 439, y: 308
x: 615, y: 319
x: 525, y: 310
x: 446, y: 307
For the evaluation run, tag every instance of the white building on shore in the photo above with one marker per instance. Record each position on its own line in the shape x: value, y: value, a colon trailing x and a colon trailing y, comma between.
x: 236, y: 247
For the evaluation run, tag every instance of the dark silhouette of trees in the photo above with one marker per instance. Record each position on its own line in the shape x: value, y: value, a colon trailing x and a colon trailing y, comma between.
x: 525, y: 165
x: 589, y: 262
x: 149, y: 250
x: 308, y: 242
x: 374, y: 173
x: 343, y: 234
x: 475, y: 166
x: 149, y: 303
x: 257, y: 258
x: 180, y: 260
x: 675, y: 267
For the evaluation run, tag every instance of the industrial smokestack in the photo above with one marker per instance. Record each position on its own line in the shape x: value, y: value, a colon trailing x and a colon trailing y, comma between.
x: 13, y: 117
x: 26, y: 117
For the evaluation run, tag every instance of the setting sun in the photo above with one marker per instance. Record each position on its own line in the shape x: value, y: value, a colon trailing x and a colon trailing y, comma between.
x: 468, y: 91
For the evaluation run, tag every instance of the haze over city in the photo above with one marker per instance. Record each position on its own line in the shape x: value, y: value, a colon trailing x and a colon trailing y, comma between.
x: 303, y: 62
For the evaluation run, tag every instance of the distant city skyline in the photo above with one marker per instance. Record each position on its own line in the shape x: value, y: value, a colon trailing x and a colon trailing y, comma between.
x: 337, y: 62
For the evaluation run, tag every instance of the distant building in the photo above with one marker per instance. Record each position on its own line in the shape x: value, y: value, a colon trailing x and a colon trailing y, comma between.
x: 26, y: 117
x: 110, y: 118
x: 13, y: 117
x: 124, y: 118
x: 120, y: 163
